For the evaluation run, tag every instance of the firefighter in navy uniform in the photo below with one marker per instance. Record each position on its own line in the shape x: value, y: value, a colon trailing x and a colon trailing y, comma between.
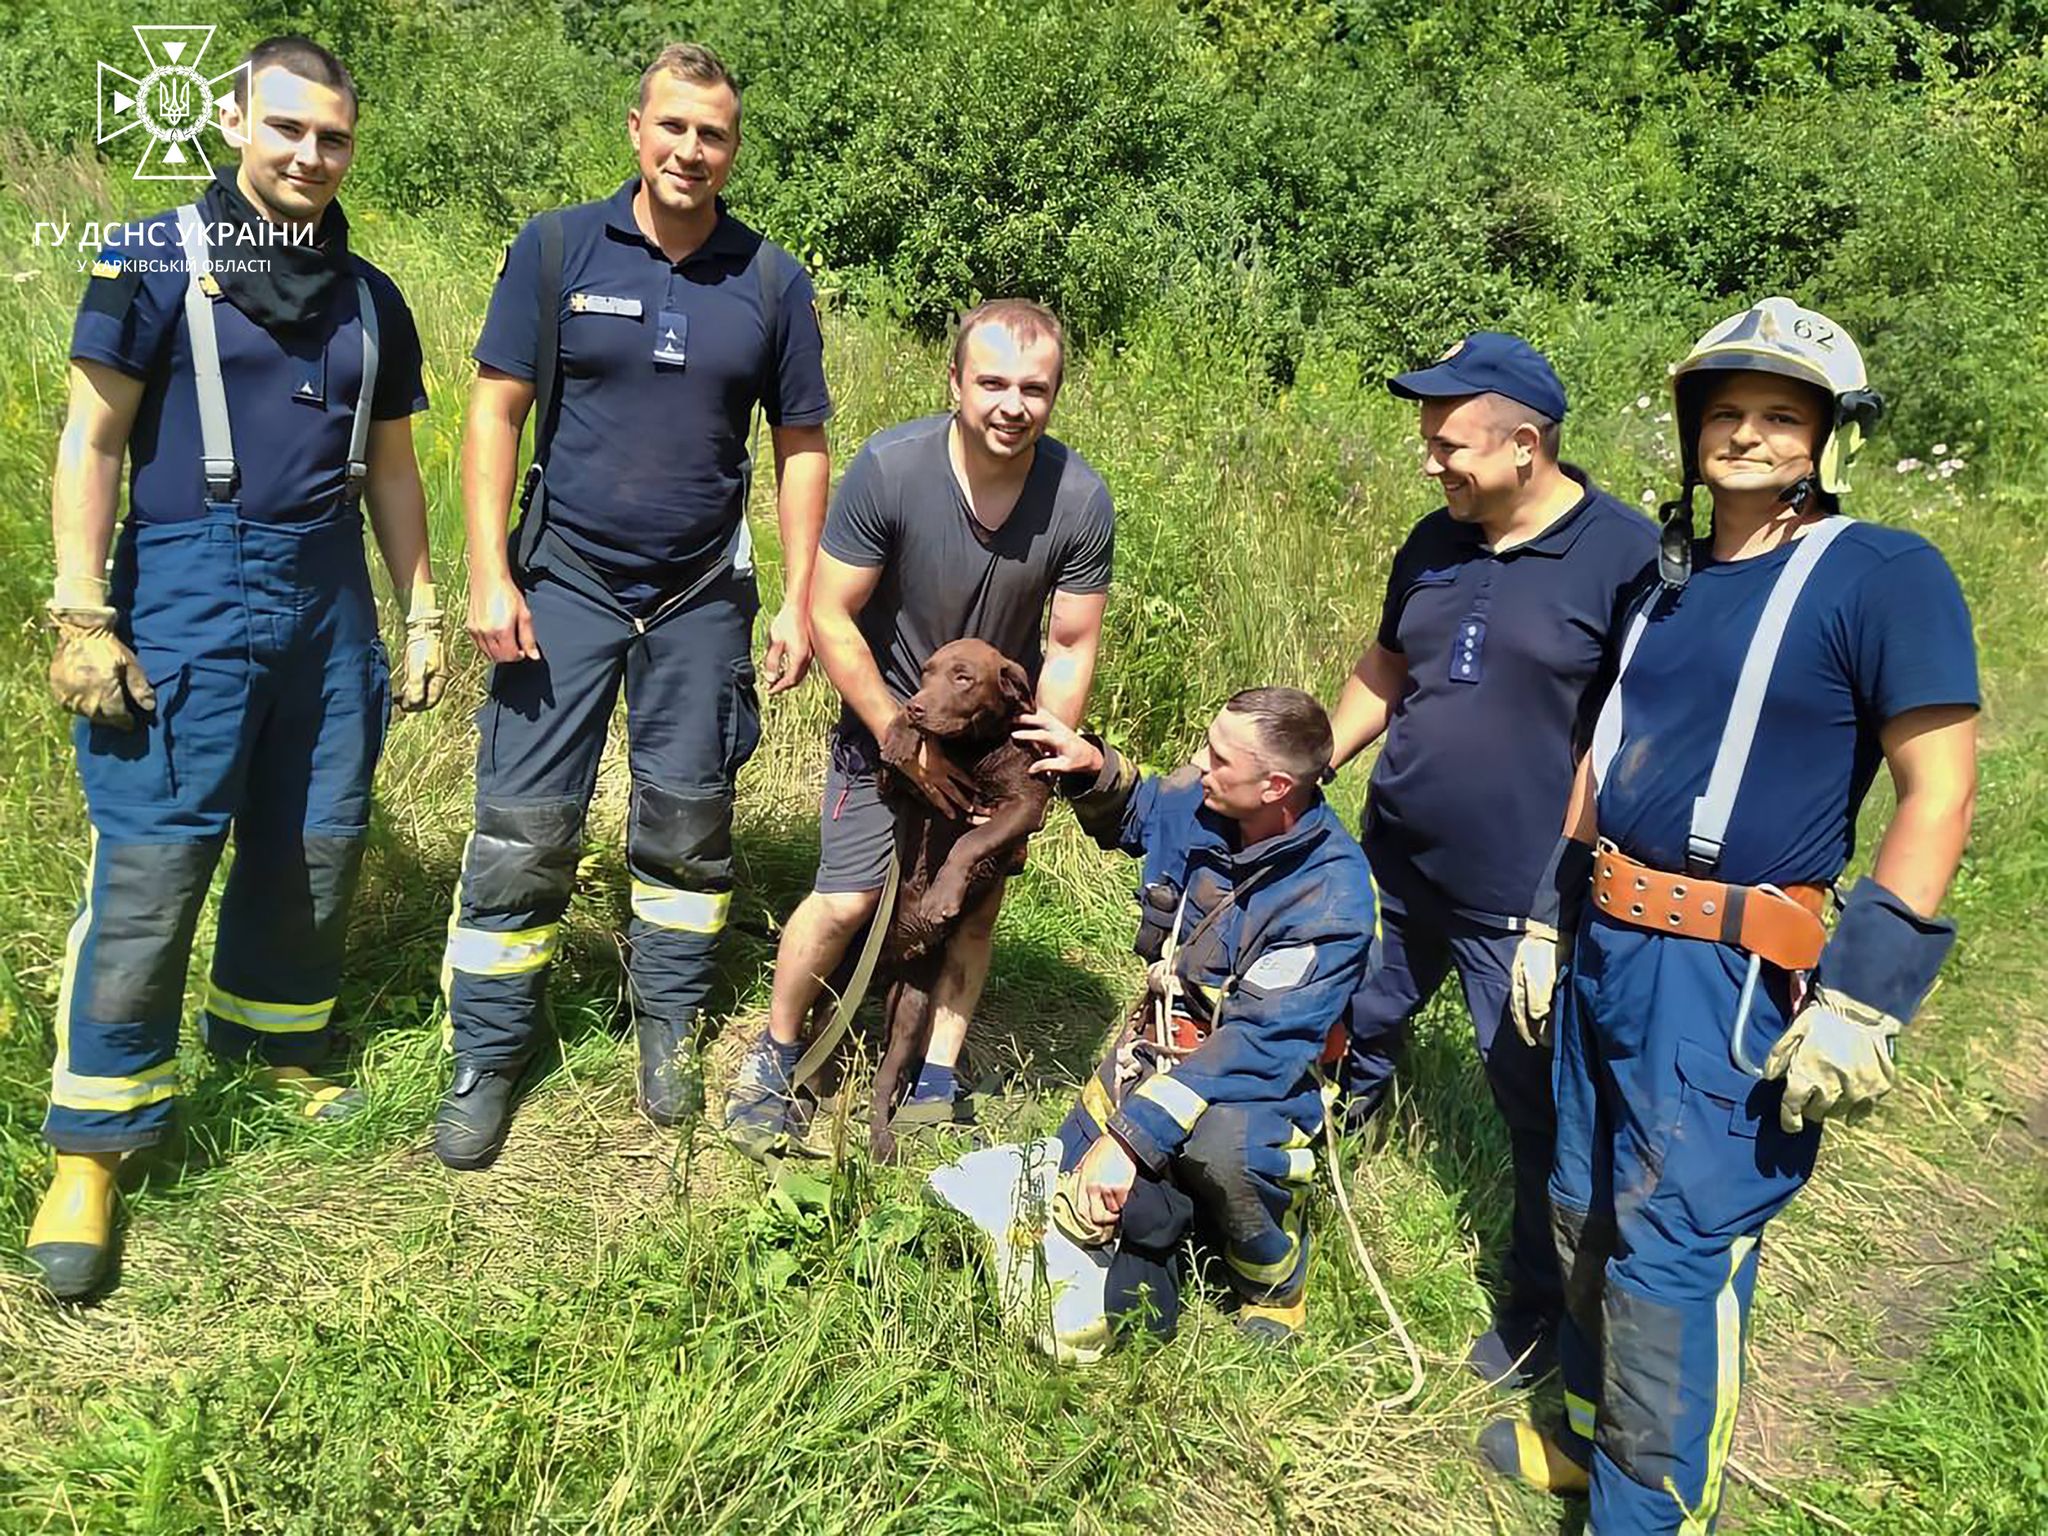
x: 1257, y: 914
x: 646, y: 326
x: 1495, y: 628
x: 230, y: 673
x: 1708, y: 1021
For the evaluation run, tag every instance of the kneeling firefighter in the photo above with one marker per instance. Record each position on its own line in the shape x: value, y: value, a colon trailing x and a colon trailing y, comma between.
x: 231, y: 672
x: 1709, y: 1021
x: 1257, y: 915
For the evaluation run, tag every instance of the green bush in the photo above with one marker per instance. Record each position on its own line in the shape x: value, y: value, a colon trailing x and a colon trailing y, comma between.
x: 1278, y: 179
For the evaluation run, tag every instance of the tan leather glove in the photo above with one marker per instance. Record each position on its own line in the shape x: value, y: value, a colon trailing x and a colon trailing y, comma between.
x: 1532, y: 982
x: 92, y: 673
x: 423, y: 677
x: 1835, y: 1056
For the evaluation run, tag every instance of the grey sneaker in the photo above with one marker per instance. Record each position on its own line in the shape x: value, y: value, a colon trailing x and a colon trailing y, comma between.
x: 758, y: 1107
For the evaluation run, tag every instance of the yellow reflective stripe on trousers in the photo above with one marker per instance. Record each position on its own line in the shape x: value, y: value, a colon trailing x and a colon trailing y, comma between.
x: 74, y: 1090
x: 1291, y: 1222
x: 268, y: 1018
x: 1581, y: 1414
x: 684, y: 911
x: 481, y: 952
x: 1727, y: 1389
x: 1176, y: 1098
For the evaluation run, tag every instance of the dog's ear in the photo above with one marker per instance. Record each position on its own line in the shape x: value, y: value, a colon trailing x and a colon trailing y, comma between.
x: 1015, y: 683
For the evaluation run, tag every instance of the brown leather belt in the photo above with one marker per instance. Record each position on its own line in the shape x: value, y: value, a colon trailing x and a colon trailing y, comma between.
x: 1783, y: 926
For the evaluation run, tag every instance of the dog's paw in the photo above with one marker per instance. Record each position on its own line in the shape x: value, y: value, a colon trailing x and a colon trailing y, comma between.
x: 899, y: 744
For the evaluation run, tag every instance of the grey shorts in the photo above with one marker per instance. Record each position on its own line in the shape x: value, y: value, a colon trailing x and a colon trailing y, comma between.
x: 856, y: 831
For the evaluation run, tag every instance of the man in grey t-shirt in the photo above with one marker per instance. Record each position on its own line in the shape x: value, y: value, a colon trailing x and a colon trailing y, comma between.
x: 969, y: 524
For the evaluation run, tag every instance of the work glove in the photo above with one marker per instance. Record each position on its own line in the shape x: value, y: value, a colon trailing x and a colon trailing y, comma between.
x: 1532, y: 981
x: 425, y: 674
x: 1532, y: 975
x: 92, y: 673
x: 1835, y: 1057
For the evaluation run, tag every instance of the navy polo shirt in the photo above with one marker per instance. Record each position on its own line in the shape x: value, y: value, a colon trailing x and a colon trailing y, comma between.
x: 291, y: 404
x: 1509, y: 655
x: 1881, y: 628
x: 661, y: 365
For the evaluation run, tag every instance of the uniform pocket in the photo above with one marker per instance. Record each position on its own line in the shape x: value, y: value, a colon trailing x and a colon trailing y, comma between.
x: 133, y: 767
x: 1732, y: 1165
x: 742, y: 717
x: 377, y: 693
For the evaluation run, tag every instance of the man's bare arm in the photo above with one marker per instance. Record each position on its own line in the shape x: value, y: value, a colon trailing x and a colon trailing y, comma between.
x: 803, y: 476
x: 498, y: 619
x: 839, y: 592
x: 1367, y: 702
x: 1073, y: 642
x: 398, y: 504
x: 1932, y: 755
x: 85, y: 487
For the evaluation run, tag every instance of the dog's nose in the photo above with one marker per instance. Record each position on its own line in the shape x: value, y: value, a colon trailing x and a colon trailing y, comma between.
x: 916, y: 712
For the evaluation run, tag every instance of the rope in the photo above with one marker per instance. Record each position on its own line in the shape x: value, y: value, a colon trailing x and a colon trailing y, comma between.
x: 1372, y: 1274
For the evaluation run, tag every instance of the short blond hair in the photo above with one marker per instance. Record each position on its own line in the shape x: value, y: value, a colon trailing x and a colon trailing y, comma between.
x: 689, y: 61
x: 1022, y: 318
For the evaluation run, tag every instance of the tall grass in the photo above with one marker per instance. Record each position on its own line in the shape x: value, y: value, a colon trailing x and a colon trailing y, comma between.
x: 321, y: 1330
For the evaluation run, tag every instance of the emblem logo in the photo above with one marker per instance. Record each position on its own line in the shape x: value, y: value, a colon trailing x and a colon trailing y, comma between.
x: 174, y: 102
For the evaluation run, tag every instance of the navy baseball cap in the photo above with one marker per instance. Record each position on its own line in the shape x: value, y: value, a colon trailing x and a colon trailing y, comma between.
x: 1487, y: 363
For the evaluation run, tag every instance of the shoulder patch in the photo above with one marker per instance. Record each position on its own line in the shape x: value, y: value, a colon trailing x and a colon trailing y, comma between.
x: 113, y: 288
x: 1281, y: 968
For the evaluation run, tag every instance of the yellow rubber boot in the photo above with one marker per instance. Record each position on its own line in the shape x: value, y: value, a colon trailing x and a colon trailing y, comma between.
x: 318, y: 1098
x: 1518, y: 1449
x: 72, y: 1236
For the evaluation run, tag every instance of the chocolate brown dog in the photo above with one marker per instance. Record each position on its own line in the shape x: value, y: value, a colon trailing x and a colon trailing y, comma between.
x: 967, y: 701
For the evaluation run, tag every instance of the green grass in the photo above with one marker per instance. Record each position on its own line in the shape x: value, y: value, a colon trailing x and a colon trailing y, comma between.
x: 321, y: 1330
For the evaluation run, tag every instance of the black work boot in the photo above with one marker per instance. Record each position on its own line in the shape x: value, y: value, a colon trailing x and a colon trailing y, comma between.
x: 470, y: 1129
x: 671, y: 1070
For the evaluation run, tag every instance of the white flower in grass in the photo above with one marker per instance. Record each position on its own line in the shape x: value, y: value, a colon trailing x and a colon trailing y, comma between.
x: 1938, y: 449
x: 1649, y: 498
x: 1642, y: 402
x: 1906, y: 466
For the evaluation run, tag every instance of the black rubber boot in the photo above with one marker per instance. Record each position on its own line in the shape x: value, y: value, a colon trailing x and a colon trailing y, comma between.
x: 470, y: 1130
x: 1511, y: 1356
x: 671, y: 1070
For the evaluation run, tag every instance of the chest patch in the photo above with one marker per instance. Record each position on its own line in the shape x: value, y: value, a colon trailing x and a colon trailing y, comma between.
x: 1281, y: 968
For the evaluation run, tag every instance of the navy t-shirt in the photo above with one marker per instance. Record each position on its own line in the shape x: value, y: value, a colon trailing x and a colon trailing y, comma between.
x: 291, y: 404
x: 945, y: 578
x: 1509, y: 655
x: 662, y: 363
x: 1881, y: 628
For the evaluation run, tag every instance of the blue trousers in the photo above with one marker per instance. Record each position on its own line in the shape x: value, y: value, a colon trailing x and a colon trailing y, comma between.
x: 1670, y: 1160
x: 1420, y: 940
x: 272, y: 693
x: 1239, y: 1184
x: 692, y: 719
